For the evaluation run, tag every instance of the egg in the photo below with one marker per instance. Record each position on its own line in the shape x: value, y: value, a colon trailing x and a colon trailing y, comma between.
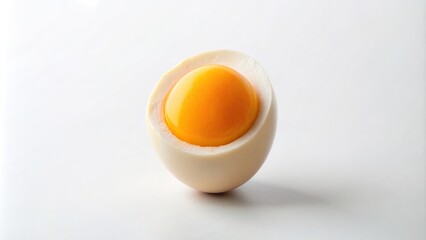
x: 212, y: 120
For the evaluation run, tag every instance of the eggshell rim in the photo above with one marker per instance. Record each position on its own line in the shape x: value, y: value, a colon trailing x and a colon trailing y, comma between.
x: 253, y: 72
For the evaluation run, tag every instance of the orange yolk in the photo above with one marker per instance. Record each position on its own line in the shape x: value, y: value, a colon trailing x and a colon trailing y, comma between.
x: 211, y: 106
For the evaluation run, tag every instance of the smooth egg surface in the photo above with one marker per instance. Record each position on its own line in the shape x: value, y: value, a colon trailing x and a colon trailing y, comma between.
x: 212, y: 120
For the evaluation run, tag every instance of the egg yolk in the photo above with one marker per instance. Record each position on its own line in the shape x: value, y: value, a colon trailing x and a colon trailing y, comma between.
x: 211, y: 106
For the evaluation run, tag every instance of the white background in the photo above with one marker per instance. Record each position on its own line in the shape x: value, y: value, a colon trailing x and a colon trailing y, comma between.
x: 348, y: 161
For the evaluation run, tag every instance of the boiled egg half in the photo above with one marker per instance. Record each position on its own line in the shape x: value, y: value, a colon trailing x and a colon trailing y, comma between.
x: 212, y: 120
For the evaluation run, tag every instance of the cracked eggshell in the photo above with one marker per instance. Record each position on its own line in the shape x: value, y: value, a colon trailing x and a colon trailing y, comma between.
x: 222, y: 168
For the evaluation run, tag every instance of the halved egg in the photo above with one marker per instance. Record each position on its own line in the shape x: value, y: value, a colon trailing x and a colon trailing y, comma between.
x: 212, y: 120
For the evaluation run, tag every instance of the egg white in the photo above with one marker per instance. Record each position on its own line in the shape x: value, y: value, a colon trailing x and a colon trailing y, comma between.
x: 222, y: 168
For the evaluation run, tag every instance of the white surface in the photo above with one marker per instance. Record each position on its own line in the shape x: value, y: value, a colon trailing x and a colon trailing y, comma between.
x: 349, y: 157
